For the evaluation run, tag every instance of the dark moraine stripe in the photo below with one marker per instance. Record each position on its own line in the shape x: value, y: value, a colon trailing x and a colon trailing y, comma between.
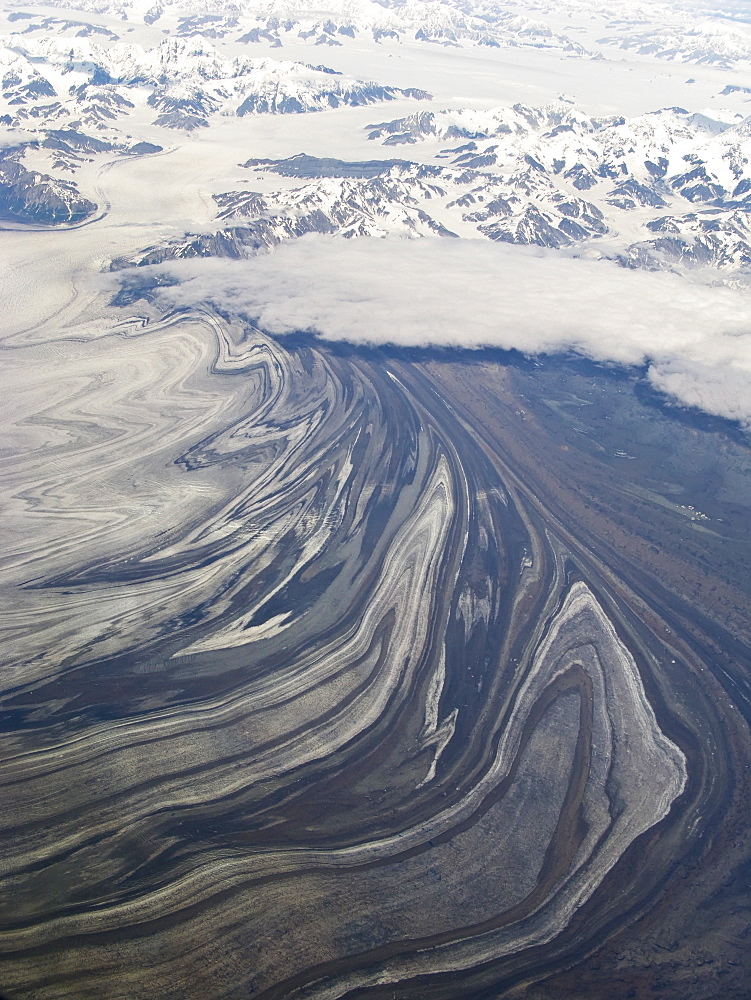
x: 407, y: 702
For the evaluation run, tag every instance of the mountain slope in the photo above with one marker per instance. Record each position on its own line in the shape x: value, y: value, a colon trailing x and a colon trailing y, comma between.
x: 670, y: 189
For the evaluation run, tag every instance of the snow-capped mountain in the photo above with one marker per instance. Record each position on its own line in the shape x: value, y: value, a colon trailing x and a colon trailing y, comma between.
x: 334, y: 22
x: 32, y: 197
x: 711, y: 43
x: 534, y: 164
x: 640, y: 160
x: 423, y: 20
x: 667, y: 30
x: 188, y: 76
x: 71, y: 85
x: 714, y: 239
x: 376, y: 207
x: 27, y: 24
x: 664, y: 190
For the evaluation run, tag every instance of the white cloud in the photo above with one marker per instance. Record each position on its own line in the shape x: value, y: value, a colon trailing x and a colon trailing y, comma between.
x: 16, y: 137
x: 468, y: 293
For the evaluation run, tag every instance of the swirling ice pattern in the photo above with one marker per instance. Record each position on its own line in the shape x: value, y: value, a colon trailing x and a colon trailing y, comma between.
x: 302, y: 698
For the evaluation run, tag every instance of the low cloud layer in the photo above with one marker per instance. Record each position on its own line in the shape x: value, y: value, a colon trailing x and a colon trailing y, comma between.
x: 10, y: 138
x: 695, y: 338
